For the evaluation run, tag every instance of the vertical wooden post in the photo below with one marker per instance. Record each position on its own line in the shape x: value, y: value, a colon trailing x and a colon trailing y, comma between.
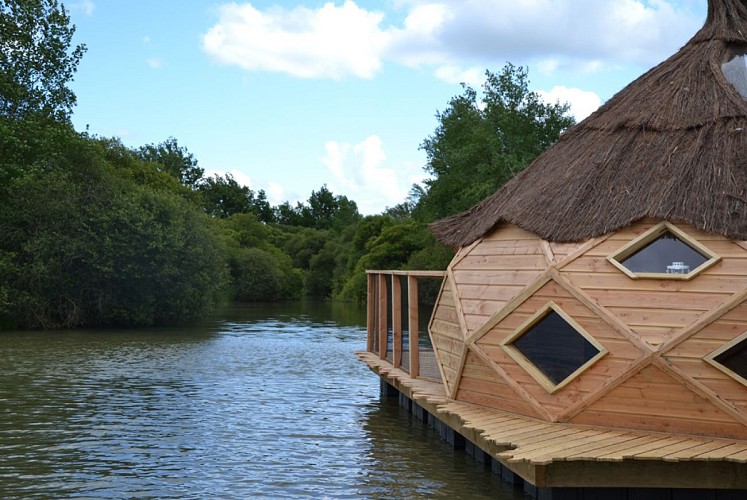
x: 412, y: 302
x: 370, y: 315
x: 397, y: 320
x: 382, y: 315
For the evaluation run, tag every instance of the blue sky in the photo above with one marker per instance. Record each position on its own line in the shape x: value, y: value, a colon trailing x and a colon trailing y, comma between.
x: 290, y: 95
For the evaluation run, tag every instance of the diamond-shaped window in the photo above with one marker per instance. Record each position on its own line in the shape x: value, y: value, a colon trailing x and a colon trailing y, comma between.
x: 732, y: 358
x: 663, y: 252
x: 553, y: 348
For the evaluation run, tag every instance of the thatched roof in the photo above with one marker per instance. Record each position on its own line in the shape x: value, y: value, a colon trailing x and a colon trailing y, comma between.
x: 671, y: 145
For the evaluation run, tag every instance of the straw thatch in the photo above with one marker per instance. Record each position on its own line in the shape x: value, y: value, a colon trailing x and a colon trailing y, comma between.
x: 672, y: 145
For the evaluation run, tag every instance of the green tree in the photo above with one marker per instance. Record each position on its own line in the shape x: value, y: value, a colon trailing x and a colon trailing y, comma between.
x: 37, y: 61
x: 223, y: 196
x: 85, y: 247
x: 262, y: 208
x: 323, y: 210
x: 288, y: 215
x: 304, y: 244
x: 327, y: 269
x: 479, y: 145
x: 173, y: 160
x: 265, y: 276
x: 396, y: 245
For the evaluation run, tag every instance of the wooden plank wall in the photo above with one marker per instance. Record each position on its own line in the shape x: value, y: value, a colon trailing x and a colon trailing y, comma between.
x: 447, y: 336
x: 688, y: 358
x: 652, y: 399
x: 622, y: 354
x: 480, y: 385
x: 495, y: 271
x: 659, y: 310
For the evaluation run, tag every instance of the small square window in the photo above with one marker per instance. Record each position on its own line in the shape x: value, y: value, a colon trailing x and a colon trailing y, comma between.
x: 663, y: 252
x: 732, y: 358
x: 553, y: 348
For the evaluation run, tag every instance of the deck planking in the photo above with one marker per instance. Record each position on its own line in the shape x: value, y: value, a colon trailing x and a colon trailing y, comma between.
x: 535, y: 448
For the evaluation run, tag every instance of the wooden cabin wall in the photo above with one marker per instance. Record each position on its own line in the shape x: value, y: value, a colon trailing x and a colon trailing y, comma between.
x: 622, y: 354
x: 447, y: 336
x: 656, y: 332
x: 654, y: 400
x: 658, y: 310
x: 687, y: 357
x: 480, y: 385
x: 494, y: 271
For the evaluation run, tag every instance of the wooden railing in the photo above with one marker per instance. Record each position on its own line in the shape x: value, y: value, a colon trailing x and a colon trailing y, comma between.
x: 392, y: 294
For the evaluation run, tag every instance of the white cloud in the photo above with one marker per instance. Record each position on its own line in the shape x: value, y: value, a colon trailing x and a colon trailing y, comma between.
x: 632, y: 31
x: 329, y: 42
x: 360, y: 172
x: 474, y: 77
x: 86, y: 7
x: 335, y: 41
x: 275, y: 193
x: 154, y: 63
x: 583, y: 103
x: 241, y: 178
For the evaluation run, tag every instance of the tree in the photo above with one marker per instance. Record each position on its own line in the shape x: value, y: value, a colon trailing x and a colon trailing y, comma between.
x: 83, y: 245
x: 265, y: 276
x: 36, y: 59
x: 478, y: 146
x: 223, y: 196
x: 324, y: 210
x: 288, y: 215
x: 262, y: 208
x: 389, y: 244
x: 174, y: 160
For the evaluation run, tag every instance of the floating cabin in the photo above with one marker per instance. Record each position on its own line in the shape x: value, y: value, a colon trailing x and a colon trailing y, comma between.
x: 591, y: 331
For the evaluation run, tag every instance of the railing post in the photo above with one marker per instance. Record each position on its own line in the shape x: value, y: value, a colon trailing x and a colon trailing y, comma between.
x: 413, y: 325
x: 370, y: 316
x: 382, y: 326
x: 396, y: 320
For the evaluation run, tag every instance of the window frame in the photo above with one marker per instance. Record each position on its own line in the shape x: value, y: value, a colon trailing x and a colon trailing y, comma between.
x: 649, y: 236
x: 533, y: 369
x: 711, y: 358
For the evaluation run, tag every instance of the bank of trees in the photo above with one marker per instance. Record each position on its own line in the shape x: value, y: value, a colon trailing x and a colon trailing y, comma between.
x: 96, y: 233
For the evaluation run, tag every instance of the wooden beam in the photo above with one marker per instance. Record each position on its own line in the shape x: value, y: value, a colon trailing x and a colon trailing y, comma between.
x: 371, y: 312
x: 382, y: 315
x: 457, y: 301
x: 397, y: 321
x: 401, y: 272
x: 549, y: 255
x: 413, y: 325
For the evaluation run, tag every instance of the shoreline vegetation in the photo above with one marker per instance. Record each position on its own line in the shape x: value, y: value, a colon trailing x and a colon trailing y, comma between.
x: 95, y: 233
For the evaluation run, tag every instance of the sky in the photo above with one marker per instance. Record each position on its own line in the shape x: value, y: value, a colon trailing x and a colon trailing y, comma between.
x: 291, y: 95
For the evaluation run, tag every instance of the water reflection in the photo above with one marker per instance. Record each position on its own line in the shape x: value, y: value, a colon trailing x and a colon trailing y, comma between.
x: 271, y: 405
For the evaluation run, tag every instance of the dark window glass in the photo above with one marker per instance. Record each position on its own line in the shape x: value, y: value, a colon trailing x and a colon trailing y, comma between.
x: 735, y: 359
x: 667, y: 254
x: 555, y: 347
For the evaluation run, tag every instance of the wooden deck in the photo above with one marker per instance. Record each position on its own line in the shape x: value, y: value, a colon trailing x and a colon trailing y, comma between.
x: 567, y: 455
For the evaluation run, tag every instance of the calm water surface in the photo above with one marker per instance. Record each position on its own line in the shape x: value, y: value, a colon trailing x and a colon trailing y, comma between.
x: 266, y: 401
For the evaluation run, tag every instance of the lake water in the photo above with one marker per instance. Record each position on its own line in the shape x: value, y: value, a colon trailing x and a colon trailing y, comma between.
x: 262, y: 401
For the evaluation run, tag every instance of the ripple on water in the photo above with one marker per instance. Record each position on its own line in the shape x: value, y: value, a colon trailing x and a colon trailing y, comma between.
x: 275, y: 408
